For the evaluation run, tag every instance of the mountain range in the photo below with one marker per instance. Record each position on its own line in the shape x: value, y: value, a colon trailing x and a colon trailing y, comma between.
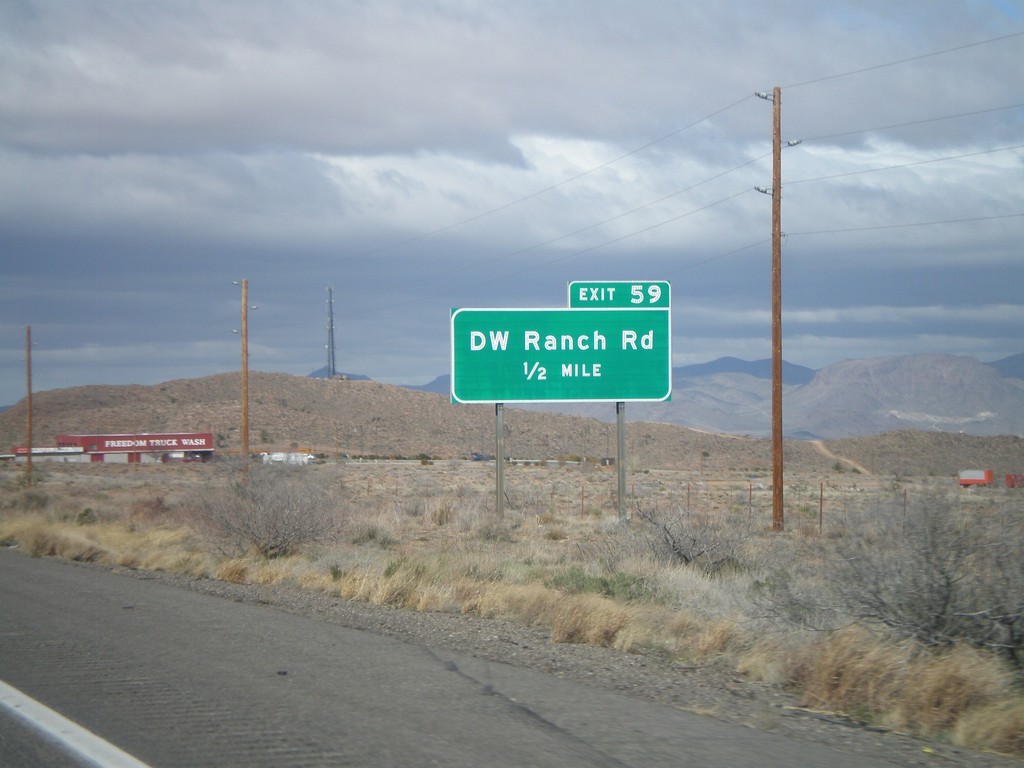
x: 359, y: 418
x: 853, y: 398
x: 935, y: 392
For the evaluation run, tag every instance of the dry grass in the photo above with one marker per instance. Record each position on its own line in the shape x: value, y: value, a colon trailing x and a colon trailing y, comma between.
x: 961, y: 693
x: 942, y: 687
x: 852, y: 671
x: 425, y: 538
x: 998, y: 726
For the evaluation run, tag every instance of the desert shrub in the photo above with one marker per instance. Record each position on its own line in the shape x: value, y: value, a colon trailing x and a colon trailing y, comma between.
x: 444, y: 513
x: 524, y: 498
x: 618, y: 585
x: 233, y: 570
x: 273, y: 511
x: 491, y: 527
x: 938, y: 577
x: 30, y: 500
x: 25, y: 479
x: 87, y: 516
x: 998, y: 727
x: 712, y: 544
x: 47, y: 541
x: 148, y: 511
x: 587, y: 619
x: 959, y: 691
x: 370, y: 532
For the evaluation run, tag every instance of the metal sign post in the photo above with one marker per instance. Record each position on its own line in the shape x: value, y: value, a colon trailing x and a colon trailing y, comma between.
x: 499, y: 459
x: 633, y: 294
x: 620, y: 423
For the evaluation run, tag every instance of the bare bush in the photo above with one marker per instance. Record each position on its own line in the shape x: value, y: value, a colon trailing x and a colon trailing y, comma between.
x: 274, y: 511
x: 150, y: 510
x: 938, y: 577
x: 712, y: 544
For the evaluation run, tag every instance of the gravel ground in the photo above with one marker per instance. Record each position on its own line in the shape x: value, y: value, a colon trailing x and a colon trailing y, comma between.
x: 711, y: 690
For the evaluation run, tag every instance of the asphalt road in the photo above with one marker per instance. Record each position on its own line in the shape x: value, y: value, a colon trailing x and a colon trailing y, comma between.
x: 178, y: 678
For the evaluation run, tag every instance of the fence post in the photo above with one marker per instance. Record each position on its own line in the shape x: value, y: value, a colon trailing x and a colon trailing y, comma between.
x: 821, y: 506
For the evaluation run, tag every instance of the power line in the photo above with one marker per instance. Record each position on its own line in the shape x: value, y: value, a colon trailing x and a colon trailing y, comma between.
x: 905, y: 225
x: 710, y: 259
x: 907, y: 60
x: 616, y: 217
x: 906, y: 165
x: 649, y: 144
x: 664, y: 137
x: 689, y: 213
x: 634, y: 233
x: 670, y: 220
x: 551, y: 187
x: 636, y: 209
x: 677, y: 131
x: 565, y: 257
x: 912, y: 122
x: 665, y: 222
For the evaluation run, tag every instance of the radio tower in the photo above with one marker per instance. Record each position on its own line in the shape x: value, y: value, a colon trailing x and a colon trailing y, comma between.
x: 331, y: 370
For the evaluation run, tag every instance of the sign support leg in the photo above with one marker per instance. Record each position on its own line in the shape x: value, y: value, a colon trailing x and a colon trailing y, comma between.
x: 499, y: 459
x: 620, y: 461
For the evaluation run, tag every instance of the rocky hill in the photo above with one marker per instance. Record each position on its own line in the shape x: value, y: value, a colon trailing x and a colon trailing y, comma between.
x: 366, y: 418
x: 930, y: 392
x: 943, y: 393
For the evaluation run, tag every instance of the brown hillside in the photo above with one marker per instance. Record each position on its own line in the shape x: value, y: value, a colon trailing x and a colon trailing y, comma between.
x: 913, y: 452
x: 366, y: 418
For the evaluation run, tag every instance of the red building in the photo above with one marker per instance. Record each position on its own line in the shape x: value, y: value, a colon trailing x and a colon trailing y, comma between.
x: 140, y: 447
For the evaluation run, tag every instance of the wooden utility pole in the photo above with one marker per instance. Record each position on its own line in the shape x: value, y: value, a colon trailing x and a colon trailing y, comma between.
x: 28, y: 406
x: 245, y: 375
x: 776, y: 193
x: 777, y: 461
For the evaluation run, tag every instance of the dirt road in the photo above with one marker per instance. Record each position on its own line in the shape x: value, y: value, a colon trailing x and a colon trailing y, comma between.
x: 820, y: 447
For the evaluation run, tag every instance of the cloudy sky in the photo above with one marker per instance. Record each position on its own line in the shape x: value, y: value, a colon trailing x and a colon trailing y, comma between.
x: 419, y: 156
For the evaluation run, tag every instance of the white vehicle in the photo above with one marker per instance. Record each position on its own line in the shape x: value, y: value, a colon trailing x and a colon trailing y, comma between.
x: 280, y: 457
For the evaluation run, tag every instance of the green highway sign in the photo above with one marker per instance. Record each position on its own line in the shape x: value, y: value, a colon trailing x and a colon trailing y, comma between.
x: 561, y: 355
x: 630, y: 294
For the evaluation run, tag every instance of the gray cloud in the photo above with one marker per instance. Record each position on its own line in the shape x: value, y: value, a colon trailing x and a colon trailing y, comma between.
x: 419, y: 157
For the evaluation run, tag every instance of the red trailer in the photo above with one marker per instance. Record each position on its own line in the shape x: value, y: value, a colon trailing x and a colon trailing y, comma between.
x: 969, y: 477
x: 1015, y: 480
